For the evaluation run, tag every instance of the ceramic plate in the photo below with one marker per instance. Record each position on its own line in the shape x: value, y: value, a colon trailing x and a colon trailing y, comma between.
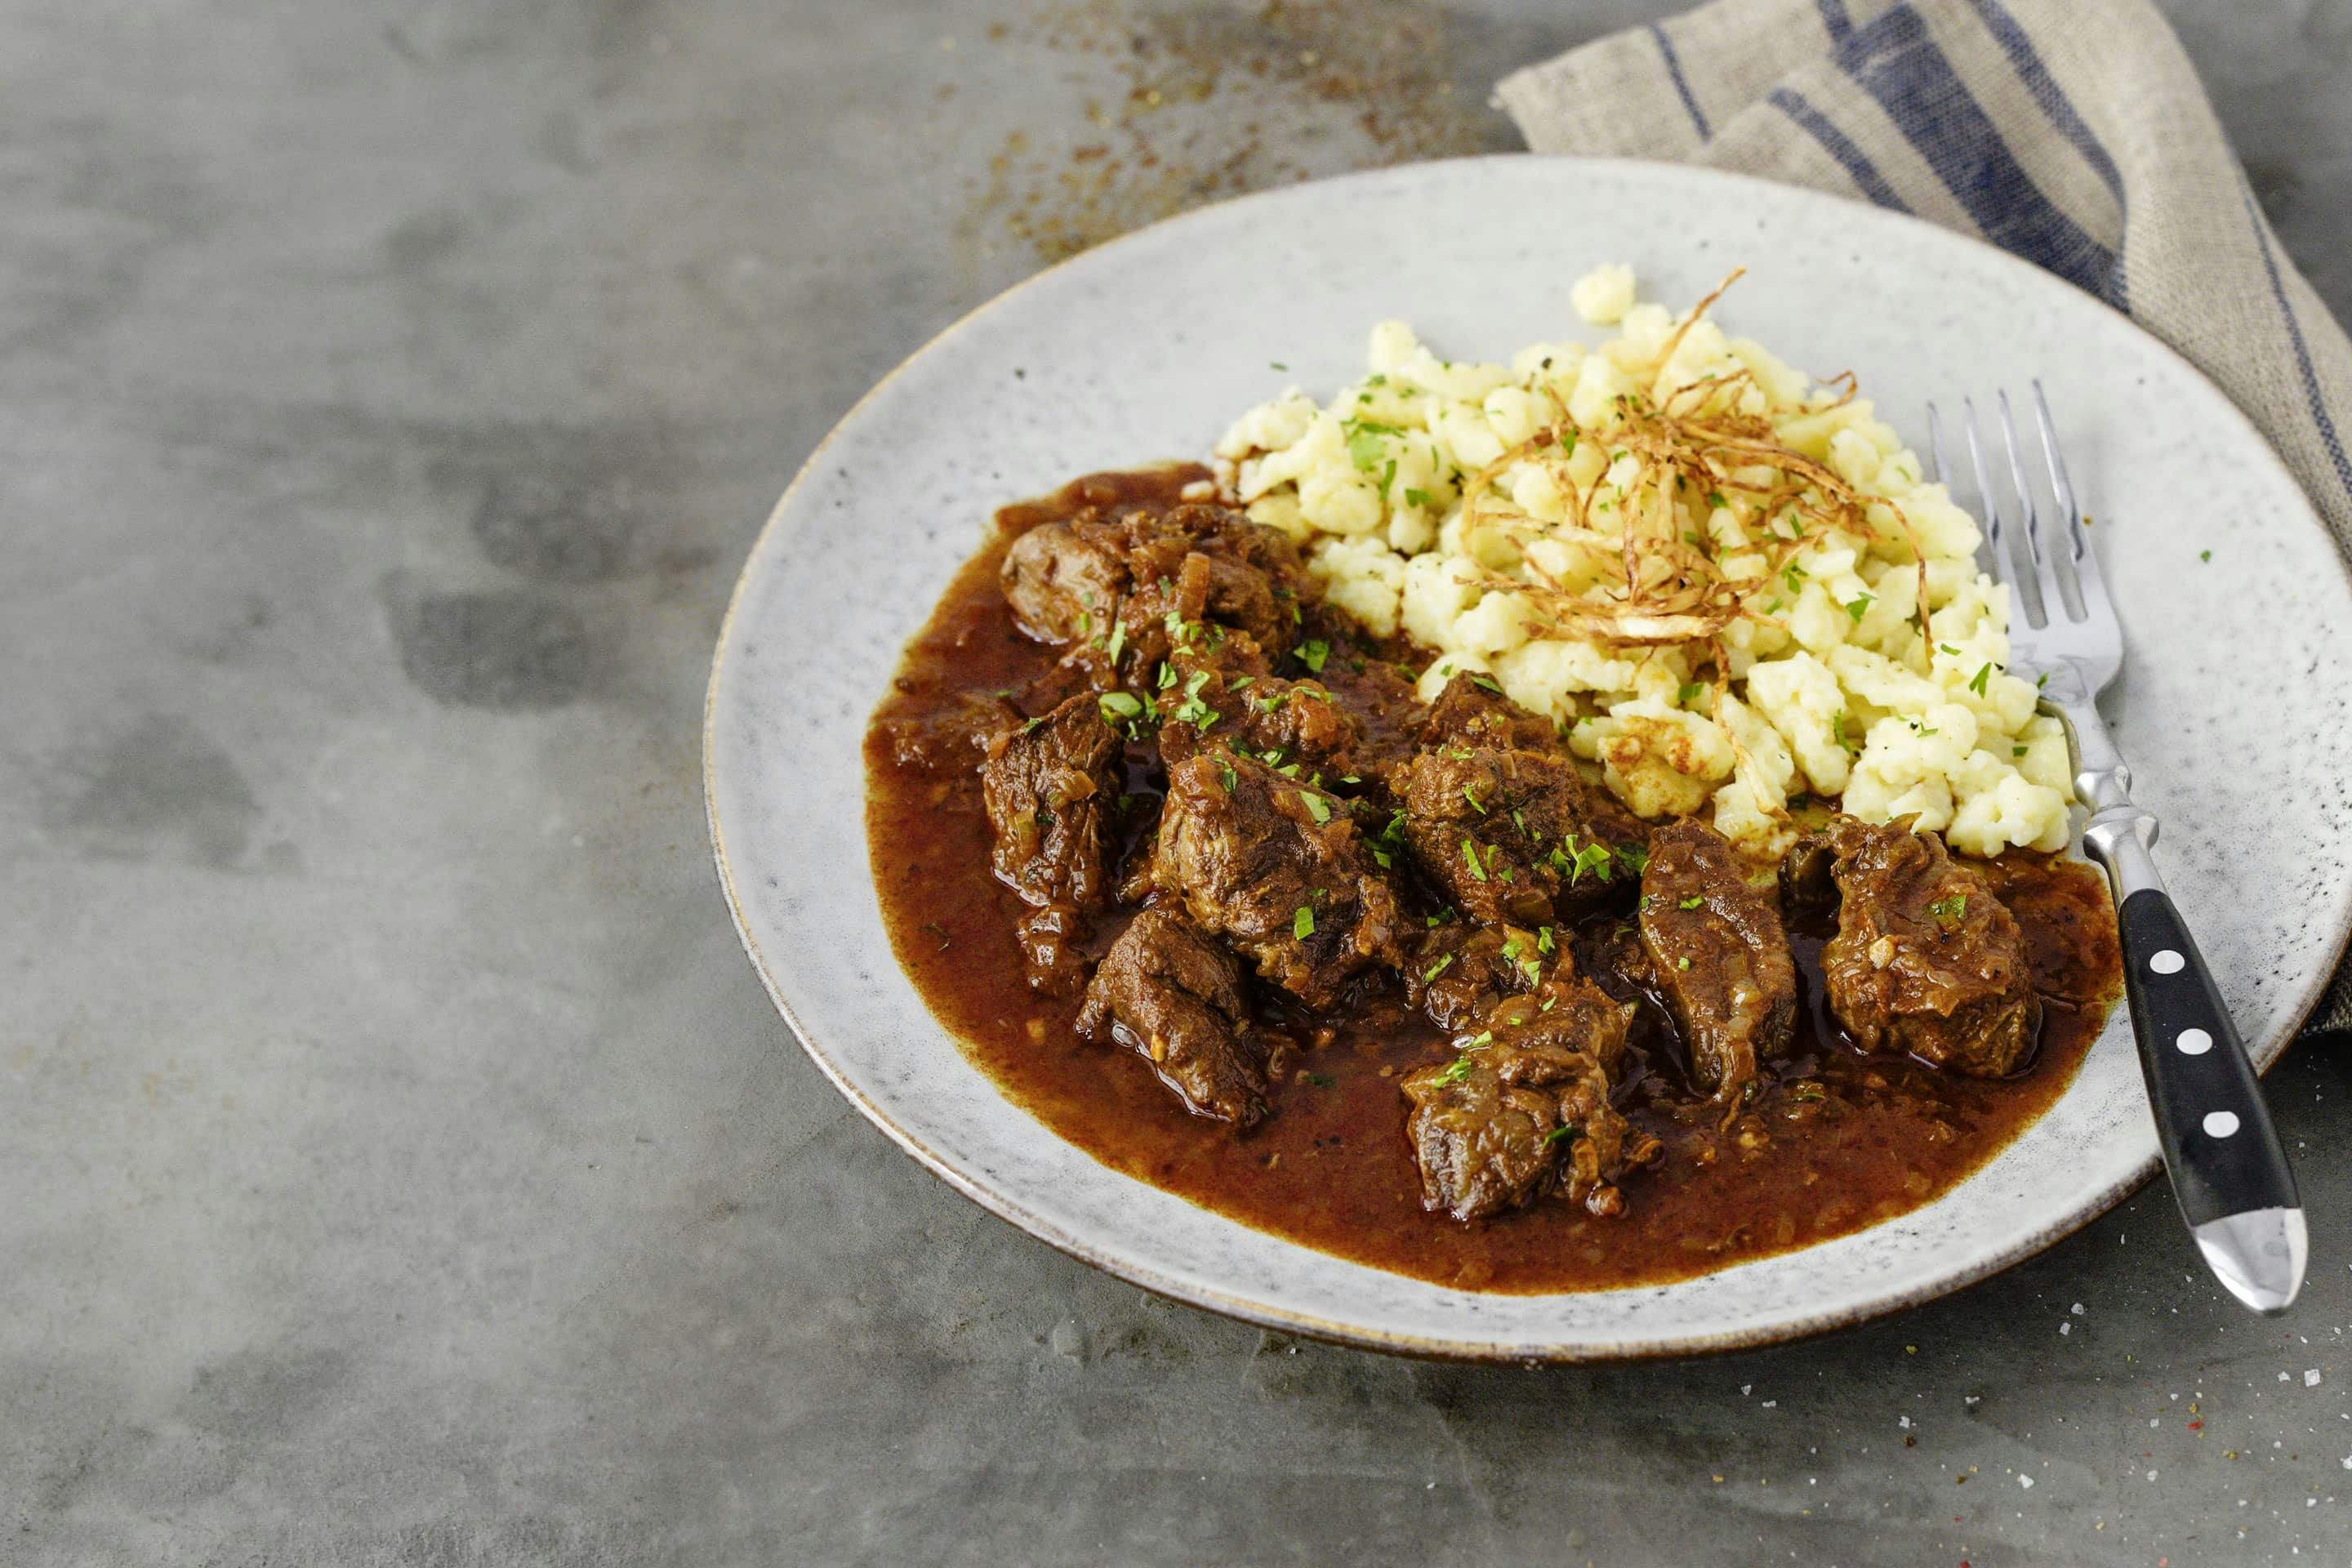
x: 1145, y: 349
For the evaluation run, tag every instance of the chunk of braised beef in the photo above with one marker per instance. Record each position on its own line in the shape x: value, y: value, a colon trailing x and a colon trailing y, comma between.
x: 1064, y: 580
x: 1219, y: 690
x: 1473, y: 710
x: 1278, y: 868
x: 1522, y: 1110
x: 1515, y: 836
x: 1718, y: 955
x: 1926, y: 958
x: 1093, y: 580
x: 1173, y: 995
x: 1050, y: 785
x: 1459, y: 971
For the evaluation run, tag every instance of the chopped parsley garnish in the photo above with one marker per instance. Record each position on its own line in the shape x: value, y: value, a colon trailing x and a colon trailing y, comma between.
x: 1034, y: 722
x: 1543, y: 939
x: 1837, y: 729
x: 1682, y: 964
x: 1715, y: 499
x: 1473, y: 800
x: 1276, y: 364
x: 2042, y: 680
x: 1118, y: 639
x: 1416, y: 498
x: 1691, y: 692
x: 1470, y: 853
x: 1367, y: 443
x: 1948, y: 647
x: 1167, y: 675
x: 1312, y: 653
x: 1302, y: 924
x: 1594, y: 857
x: 1435, y: 969
x: 1633, y: 858
x: 2017, y: 751
x: 2204, y: 555
x: 1119, y: 705
x: 1511, y: 949
x: 1859, y: 607
x: 1791, y: 574
x: 1694, y: 901
x: 1231, y: 778
x: 1317, y: 808
x: 1977, y: 681
x: 1321, y: 1080
x: 1947, y: 912
x: 1557, y: 1133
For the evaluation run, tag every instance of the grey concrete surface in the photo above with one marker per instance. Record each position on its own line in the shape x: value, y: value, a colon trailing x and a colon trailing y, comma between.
x: 398, y: 1160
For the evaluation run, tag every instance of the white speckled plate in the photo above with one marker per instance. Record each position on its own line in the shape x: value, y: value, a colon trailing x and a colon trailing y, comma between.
x: 2230, y: 708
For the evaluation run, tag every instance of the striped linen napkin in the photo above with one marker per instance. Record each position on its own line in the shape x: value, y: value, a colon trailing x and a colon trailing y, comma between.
x: 2072, y: 133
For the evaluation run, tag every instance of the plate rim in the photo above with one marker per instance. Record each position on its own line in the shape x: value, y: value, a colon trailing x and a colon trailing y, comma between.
x: 1355, y: 1335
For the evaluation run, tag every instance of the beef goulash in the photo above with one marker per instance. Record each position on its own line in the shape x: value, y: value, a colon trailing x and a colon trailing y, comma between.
x: 1181, y: 856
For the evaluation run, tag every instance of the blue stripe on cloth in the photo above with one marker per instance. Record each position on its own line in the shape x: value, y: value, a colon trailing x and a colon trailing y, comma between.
x: 1896, y: 60
x: 2319, y: 415
x: 1850, y: 158
x: 1834, y: 18
x: 2027, y: 62
x: 1674, y: 69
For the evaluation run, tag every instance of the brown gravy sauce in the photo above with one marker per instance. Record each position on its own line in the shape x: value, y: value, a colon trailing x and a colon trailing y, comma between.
x: 1837, y: 1139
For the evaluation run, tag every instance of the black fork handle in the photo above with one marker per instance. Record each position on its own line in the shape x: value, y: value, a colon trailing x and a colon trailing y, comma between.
x: 2220, y: 1145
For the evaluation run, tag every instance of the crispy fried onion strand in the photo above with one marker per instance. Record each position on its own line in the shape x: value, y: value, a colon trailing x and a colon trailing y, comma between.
x: 1693, y: 444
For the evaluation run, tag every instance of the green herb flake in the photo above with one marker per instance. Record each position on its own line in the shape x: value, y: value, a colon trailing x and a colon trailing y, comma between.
x: 1470, y: 853
x: 1977, y: 681
x: 1302, y: 924
x: 1473, y: 800
x: 1859, y: 607
x: 2204, y: 555
x: 1694, y: 901
x: 1317, y: 808
x: 1416, y: 498
x: 1435, y: 969
x: 1119, y: 705
x: 1312, y: 653
x: 1276, y: 364
x: 2017, y: 751
x: 1691, y: 692
x: 1557, y: 1133
x: 1682, y: 964
x: 1948, y: 911
x: 1543, y: 939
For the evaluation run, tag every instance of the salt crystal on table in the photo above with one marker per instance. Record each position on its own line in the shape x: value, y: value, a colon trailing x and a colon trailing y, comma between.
x: 2076, y: 1308
x: 2311, y: 1377
x: 2025, y: 1482
x: 2066, y: 1328
x: 2151, y: 1475
x: 1904, y: 1422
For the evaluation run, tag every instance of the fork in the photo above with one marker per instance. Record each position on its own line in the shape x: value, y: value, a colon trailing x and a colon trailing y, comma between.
x: 2228, y: 1171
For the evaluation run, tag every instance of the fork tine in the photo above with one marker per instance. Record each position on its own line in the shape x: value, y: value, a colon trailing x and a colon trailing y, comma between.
x: 2090, y: 582
x: 1994, y: 557
x: 2070, y: 517
x: 1936, y: 447
x: 2047, y: 599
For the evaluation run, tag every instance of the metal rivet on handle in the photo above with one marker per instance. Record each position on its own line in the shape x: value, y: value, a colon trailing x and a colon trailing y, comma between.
x: 2194, y: 1042
x: 2168, y: 963
x: 2221, y: 1123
